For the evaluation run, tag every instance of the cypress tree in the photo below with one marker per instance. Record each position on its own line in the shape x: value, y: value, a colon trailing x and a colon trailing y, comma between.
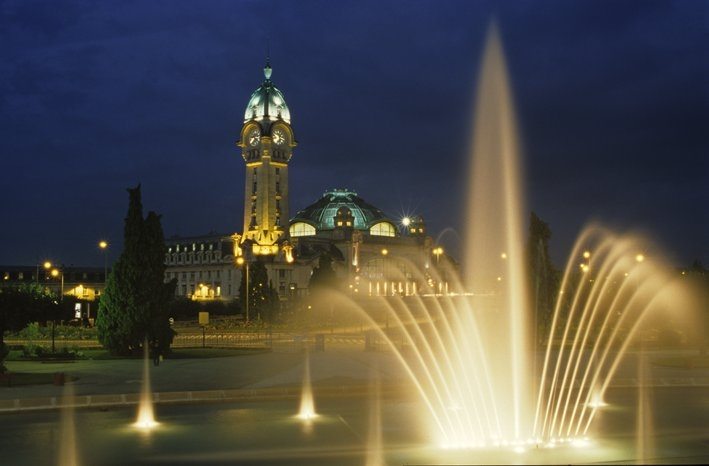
x: 135, y: 303
x: 263, y: 298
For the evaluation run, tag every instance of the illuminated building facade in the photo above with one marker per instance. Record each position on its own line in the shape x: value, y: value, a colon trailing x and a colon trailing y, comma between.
x: 372, y: 253
x: 85, y: 283
x: 266, y: 143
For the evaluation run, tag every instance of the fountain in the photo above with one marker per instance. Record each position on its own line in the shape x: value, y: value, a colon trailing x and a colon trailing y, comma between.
x: 375, y: 455
x: 471, y: 358
x: 146, y: 416
x: 67, y: 450
x: 307, y: 403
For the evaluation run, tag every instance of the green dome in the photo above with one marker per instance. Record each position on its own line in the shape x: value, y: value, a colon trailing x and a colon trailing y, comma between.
x: 267, y: 102
x: 321, y: 214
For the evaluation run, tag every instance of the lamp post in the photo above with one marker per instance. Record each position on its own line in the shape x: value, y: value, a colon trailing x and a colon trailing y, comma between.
x: 47, y: 265
x: 103, y: 245
x: 55, y: 273
x: 241, y: 262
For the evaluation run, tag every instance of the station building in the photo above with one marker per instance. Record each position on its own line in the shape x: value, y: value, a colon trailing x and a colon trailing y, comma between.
x: 372, y: 253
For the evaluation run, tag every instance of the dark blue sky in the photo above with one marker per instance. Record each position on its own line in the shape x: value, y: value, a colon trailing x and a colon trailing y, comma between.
x: 99, y: 96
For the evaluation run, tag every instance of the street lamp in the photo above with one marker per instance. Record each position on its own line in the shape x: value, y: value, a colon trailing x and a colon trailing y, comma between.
x: 241, y: 262
x: 47, y: 265
x: 103, y: 245
x: 57, y: 273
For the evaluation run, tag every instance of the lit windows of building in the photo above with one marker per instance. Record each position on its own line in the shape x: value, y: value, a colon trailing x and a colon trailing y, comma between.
x: 301, y: 229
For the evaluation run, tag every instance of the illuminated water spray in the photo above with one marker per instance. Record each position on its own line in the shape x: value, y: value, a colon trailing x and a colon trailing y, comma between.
x: 68, y: 455
x: 375, y: 449
x: 146, y: 415
x: 471, y: 358
x: 494, y: 254
x: 307, y: 403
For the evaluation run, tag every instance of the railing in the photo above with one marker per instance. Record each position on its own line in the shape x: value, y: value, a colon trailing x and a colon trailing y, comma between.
x: 278, y: 341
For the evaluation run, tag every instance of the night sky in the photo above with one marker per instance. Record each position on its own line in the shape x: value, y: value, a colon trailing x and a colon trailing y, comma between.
x: 612, y: 101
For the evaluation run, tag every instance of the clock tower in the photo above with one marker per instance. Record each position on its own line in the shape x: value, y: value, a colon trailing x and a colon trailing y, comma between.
x: 266, y: 143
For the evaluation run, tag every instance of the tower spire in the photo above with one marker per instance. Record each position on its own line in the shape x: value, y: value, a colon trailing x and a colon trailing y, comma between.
x: 267, y: 69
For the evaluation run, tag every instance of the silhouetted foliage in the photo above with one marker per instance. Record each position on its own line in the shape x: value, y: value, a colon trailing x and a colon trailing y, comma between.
x: 698, y: 282
x: 21, y: 305
x: 324, y: 276
x: 135, y: 303
x: 543, y: 276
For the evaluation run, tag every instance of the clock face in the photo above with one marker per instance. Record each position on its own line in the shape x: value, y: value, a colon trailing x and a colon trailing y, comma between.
x: 278, y: 137
x: 253, y: 137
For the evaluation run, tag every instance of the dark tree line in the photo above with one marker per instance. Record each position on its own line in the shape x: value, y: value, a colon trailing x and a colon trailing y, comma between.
x: 22, y: 305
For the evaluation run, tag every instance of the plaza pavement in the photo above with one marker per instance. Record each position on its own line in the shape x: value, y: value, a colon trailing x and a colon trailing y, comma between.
x: 341, y: 367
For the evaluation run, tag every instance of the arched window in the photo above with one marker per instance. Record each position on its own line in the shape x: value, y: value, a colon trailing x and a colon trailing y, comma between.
x: 301, y: 229
x: 382, y: 229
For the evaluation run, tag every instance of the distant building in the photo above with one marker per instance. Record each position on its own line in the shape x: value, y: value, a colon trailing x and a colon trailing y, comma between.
x: 373, y: 253
x: 85, y: 283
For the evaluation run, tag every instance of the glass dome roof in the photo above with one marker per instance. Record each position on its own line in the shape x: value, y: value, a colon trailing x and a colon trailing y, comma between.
x: 267, y: 102
x: 322, y: 212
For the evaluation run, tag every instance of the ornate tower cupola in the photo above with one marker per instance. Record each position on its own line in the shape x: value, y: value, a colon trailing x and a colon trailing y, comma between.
x: 266, y: 143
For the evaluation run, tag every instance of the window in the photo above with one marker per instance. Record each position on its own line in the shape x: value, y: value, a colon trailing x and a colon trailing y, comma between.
x: 301, y: 229
x: 382, y: 229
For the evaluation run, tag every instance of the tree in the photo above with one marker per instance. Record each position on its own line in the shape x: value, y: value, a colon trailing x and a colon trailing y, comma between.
x: 322, y: 283
x: 263, y: 298
x: 698, y: 276
x: 22, y: 305
x: 543, y: 276
x: 134, y: 306
x: 324, y: 276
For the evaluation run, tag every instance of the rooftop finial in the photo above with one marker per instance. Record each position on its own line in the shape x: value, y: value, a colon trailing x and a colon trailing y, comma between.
x: 267, y: 69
